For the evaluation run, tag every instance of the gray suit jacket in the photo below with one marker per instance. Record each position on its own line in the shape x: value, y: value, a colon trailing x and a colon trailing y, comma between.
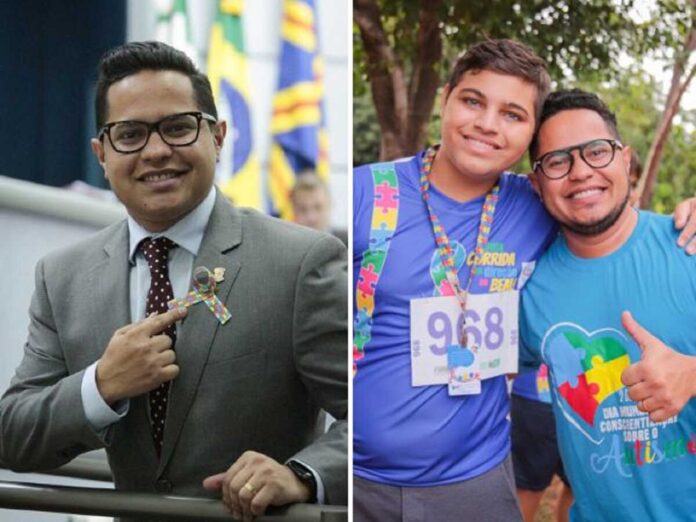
x: 255, y: 383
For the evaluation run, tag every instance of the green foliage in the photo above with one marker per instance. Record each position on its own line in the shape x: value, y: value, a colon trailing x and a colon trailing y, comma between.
x: 365, y: 129
x: 582, y: 41
x: 583, y: 37
x: 677, y: 176
x: 633, y: 98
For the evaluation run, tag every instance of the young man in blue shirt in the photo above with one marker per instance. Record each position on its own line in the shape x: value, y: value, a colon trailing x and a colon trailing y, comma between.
x: 421, y: 453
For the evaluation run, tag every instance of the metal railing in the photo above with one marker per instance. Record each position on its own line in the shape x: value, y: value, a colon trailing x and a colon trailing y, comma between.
x: 146, y: 506
x: 55, y: 202
x: 105, y: 502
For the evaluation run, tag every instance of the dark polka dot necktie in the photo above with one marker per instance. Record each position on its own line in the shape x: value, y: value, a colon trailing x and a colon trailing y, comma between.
x: 156, y: 252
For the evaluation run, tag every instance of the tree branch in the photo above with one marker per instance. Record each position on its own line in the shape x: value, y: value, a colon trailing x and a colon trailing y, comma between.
x: 646, y: 186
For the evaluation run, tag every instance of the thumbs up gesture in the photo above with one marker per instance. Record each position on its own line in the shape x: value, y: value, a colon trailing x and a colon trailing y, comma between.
x: 664, y: 380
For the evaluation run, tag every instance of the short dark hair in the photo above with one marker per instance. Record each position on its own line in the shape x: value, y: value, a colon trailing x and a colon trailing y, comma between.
x: 505, y: 57
x: 567, y: 100
x: 134, y: 57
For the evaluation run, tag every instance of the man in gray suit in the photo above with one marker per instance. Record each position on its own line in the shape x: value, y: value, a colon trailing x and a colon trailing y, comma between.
x: 198, y: 406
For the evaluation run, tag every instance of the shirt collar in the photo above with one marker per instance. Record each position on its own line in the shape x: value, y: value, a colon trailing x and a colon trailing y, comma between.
x: 187, y: 232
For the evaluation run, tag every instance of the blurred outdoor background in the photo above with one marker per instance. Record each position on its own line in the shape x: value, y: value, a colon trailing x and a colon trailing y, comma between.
x: 638, y: 55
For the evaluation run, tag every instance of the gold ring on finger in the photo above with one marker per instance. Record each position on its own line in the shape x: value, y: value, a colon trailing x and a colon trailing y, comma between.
x: 250, y: 487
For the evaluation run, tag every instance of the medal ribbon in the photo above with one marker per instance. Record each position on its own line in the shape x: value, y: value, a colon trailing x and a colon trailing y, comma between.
x: 203, y: 290
x: 441, y: 239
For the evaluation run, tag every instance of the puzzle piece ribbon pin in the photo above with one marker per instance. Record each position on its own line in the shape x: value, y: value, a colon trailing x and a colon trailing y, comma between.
x: 204, y: 283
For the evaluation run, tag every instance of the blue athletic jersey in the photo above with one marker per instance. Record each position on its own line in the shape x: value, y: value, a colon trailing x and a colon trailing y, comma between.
x: 621, y: 465
x: 421, y: 436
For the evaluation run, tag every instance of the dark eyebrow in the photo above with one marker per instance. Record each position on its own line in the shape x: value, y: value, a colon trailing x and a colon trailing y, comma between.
x: 513, y: 105
x: 128, y: 122
x: 510, y: 105
x: 473, y: 91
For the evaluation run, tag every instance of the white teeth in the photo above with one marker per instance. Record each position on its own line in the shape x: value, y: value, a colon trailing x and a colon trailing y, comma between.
x: 480, y: 144
x: 586, y: 193
x: 160, y: 177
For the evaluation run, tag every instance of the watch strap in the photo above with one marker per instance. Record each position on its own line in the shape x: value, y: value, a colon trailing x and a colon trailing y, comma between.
x: 305, y: 475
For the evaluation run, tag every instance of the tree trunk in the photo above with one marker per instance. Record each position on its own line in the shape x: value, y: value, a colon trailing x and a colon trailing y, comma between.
x: 403, y: 106
x: 424, y: 78
x: 677, y: 88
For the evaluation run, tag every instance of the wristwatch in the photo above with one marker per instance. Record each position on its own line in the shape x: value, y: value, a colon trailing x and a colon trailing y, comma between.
x: 305, y: 475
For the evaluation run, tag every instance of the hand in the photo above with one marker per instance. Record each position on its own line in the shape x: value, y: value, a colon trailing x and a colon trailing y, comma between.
x: 255, y: 482
x: 685, y: 220
x: 138, y: 358
x: 662, y: 381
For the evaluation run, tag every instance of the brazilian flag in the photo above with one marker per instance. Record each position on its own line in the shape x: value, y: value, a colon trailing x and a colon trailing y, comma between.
x: 239, y: 172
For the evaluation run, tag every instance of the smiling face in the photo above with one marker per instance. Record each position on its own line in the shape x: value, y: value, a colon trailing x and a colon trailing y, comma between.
x: 487, y: 124
x: 588, y: 201
x: 159, y: 184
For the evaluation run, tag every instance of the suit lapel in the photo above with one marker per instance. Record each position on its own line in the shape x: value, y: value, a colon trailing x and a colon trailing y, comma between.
x: 196, y: 336
x: 109, y: 279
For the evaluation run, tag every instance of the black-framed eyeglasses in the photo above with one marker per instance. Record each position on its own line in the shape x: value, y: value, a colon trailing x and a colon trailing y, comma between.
x: 177, y: 130
x: 596, y: 153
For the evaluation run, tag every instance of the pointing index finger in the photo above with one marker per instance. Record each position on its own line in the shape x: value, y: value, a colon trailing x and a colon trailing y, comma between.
x: 156, y: 324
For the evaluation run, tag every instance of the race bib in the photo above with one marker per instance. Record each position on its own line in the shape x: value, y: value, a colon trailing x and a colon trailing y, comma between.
x: 437, y: 324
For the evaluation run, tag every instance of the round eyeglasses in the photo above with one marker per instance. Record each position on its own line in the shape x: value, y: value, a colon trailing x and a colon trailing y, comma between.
x: 596, y: 153
x: 177, y: 130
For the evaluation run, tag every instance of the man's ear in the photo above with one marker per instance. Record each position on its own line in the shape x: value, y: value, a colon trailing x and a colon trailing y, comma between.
x: 219, y: 133
x: 98, y: 149
x: 627, y: 152
x: 534, y: 180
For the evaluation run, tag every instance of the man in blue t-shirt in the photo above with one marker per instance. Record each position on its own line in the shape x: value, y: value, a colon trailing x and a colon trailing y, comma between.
x: 622, y: 398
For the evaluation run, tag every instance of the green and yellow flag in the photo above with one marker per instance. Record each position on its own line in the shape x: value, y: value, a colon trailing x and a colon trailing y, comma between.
x: 239, y: 172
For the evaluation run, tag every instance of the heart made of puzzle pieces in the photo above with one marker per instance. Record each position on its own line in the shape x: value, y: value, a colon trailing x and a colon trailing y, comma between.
x: 587, y: 367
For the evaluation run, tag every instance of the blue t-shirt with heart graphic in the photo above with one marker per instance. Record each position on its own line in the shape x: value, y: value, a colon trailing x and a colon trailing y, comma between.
x: 621, y: 466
